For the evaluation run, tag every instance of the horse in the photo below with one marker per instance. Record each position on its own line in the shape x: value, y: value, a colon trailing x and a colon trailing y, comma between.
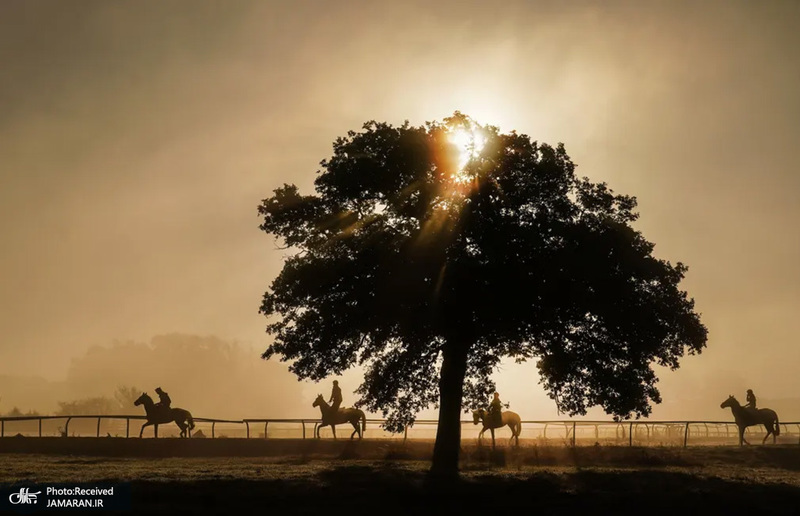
x: 343, y: 415
x: 508, y: 418
x: 157, y: 416
x: 745, y: 417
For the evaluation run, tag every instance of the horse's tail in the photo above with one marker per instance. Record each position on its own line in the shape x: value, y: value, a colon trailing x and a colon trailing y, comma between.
x: 777, y: 425
x: 519, y: 428
x: 190, y: 420
x: 363, y: 422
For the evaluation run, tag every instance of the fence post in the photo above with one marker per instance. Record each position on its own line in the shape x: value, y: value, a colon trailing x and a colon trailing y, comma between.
x: 573, y: 434
x: 2, y: 428
x: 98, y: 426
x: 266, y: 424
x: 686, y: 435
x: 304, y: 428
x: 630, y: 435
x: 127, y: 427
x: 66, y: 427
x: 247, y: 424
x: 544, y: 433
x: 40, y: 427
x: 213, y: 424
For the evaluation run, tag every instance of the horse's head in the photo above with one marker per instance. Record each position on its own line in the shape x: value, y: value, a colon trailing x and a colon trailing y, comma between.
x: 142, y: 399
x: 730, y: 402
x: 319, y: 401
x: 477, y: 415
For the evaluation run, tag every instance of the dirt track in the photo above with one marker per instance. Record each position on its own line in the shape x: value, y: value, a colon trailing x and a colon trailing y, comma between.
x: 226, y: 476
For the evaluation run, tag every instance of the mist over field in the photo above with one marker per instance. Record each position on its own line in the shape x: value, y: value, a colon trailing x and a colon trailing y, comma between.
x: 207, y: 375
x: 402, y: 197
x: 137, y: 143
x: 223, y: 379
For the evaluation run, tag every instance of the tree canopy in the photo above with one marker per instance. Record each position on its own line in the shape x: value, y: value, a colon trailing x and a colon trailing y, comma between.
x: 429, y: 253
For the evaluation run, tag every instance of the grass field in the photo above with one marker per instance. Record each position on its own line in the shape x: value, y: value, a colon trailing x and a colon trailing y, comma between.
x: 312, y: 477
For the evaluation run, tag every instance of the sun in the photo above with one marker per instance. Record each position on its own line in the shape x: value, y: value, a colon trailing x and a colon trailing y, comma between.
x: 469, y: 144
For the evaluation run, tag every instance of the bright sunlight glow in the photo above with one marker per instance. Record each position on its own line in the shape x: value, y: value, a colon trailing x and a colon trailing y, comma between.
x: 469, y: 145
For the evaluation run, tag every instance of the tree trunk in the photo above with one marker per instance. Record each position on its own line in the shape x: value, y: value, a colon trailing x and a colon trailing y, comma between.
x: 451, y: 390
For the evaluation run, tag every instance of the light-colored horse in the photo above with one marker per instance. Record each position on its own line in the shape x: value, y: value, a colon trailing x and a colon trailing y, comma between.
x: 157, y: 416
x: 508, y: 418
x: 745, y: 417
x: 343, y: 415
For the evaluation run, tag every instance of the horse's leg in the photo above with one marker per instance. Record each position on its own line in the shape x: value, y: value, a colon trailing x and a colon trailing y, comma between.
x: 492, y: 431
x: 480, y: 435
x: 355, y: 431
x: 319, y: 428
x: 144, y: 425
x: 333, y: 429
x: 513, y: 433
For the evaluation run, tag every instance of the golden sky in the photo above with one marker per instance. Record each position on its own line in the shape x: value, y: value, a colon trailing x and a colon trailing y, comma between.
x: 137, y: 139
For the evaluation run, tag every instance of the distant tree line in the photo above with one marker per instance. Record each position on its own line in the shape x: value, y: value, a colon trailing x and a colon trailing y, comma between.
x: 120, y: 403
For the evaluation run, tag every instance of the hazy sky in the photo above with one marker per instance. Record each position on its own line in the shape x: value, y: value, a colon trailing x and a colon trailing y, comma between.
x: 137, y: 139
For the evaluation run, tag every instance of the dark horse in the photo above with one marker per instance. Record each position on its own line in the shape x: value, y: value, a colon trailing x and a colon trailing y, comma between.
x: 157, y: 416
x: 746, y: 417
x: 343, y: 415
x: 508, y: 418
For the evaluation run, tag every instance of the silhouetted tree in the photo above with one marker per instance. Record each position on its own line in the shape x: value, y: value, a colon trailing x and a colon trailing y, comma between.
x: 428, y: 270
x: 16, y: 412
x: 88, y: 406
x: 125, y: 396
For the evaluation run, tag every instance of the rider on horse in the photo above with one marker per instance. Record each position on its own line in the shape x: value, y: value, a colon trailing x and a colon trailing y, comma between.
x: 336, y: 398
x: 164, y: 401
x: 751, y: 400
x: 495, y: 411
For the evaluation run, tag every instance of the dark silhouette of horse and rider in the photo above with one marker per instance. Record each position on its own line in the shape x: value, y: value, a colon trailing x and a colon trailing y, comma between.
x: 494, y: 417
x: 162, y: 413
x: 750, y: 415
x: 333, y: 414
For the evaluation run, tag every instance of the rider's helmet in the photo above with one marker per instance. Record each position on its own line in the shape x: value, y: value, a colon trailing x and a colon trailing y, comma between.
x: 749, y: 391
x: 158, y: 390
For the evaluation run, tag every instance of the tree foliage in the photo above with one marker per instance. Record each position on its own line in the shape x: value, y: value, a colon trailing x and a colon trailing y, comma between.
x: 405, y: 250
x: 121, y: 403
x: 98, y: 405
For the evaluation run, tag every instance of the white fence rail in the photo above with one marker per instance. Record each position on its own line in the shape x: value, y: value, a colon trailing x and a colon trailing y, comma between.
x: 566, y: 432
